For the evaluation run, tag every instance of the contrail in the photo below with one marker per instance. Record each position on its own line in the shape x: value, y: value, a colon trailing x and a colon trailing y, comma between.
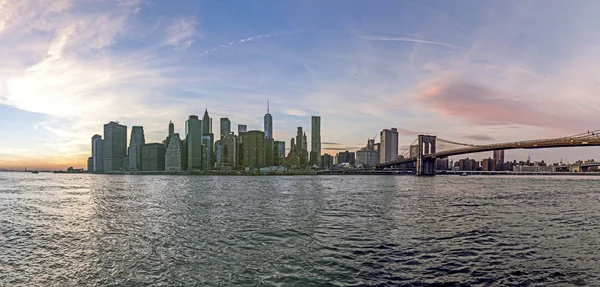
x: 407, y: 39
x: 246, y: 40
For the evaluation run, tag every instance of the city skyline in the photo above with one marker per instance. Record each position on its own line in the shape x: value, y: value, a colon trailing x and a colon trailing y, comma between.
x: 471, y: 72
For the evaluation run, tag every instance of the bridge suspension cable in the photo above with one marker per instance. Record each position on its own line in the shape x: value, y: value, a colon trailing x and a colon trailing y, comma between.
x: 453, y: 142
x: 404, y: 152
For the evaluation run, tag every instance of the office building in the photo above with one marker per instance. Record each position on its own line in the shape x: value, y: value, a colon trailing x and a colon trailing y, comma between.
x: 467, y: 164
x: 254, y: 149
x: 268, y: 124
x: 193, y: 136
x: 227, y: 152
x: 298, y: 141
x: 207, y: 123
x: 279, y: 152
x: 208, y: 157
x: 327, y: 161
x: 174, y: 154
x: 153, y: 157
x: 171, y: 128
x: 269, y: 152
x: 367, y: 158
x: 90, y: 164
x: 136, y: 141
x: 97, y: 154
x: 225, y: 127
x: 242, y: 129
x: 488, y: 164
x: 115, y: 146
x: 315, y: 140
x: 346, y: 158
x: 389, y: 145
x: 499, y: 159
x: 442, y: 164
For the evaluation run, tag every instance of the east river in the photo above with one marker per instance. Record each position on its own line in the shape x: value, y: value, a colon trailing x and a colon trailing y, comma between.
x: 118, y: 230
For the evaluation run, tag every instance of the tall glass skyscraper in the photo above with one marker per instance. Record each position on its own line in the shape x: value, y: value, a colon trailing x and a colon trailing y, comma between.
x: 97, y: 154
x: 115, y: 146
x: 193, y: 135
x: 268, y: 124
x: 315, y: 140
x: 225, y: 127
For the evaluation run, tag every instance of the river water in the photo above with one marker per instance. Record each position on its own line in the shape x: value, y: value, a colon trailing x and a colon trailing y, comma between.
x: 64, y: 230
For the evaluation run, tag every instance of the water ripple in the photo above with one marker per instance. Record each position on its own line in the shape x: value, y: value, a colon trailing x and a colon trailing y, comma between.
x: 65, y: 230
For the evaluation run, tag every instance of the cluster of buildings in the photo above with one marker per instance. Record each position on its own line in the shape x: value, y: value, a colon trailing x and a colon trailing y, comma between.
x: 369, y: 156
x: 497, y: 163
x: 199, y: 150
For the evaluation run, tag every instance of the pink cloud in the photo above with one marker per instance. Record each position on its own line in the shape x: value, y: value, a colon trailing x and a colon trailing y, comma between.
x: 480, y: 105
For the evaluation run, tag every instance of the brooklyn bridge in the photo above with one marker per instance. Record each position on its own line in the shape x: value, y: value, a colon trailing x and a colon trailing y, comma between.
x: 423, y: 151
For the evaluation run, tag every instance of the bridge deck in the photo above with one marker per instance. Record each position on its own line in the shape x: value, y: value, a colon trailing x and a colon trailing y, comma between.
x: 591, y: 140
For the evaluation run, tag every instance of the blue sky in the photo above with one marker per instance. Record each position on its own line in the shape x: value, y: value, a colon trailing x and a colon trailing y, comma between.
x: 469, y: 71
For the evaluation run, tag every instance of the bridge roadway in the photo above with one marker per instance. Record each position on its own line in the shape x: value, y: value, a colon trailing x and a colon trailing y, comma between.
x: 574, y: 141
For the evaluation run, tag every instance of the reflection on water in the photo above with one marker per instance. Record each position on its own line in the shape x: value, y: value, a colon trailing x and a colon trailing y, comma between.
x: 60, y: 229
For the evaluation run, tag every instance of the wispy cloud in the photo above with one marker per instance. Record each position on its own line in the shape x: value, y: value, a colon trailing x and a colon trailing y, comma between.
x: 181, y: 33
x: 328, y: 143
x: 406, y: 39
x: 297, y: 113
x: 245, y: 40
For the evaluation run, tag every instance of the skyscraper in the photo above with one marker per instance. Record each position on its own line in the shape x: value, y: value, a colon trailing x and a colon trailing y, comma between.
x: 225, y: 127
x: 173, y: 154
x: 136, y: 142
x: 171, y: 128
x: 499, y: 156
x: 97, y: 154
x: 499, y: 159
x: 269, y: 151
x: 304, y: 148
x: 280, y: 151
x: 268, y: 124
x: 254, y: 149
x: 115, y: 146
x: 207, y: 123
x: 389, y: 145
x: 208, y: 142
x: 298, y: 148
x: 292, y: 145
x: 315, y: 140
x: 193, y: 135
x: 228, y: 149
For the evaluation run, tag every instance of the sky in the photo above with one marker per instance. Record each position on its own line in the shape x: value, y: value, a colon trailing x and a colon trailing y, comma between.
x: 469, y: 71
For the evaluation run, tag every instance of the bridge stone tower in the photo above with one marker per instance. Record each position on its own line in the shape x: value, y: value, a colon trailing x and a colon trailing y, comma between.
x: 426, y: 146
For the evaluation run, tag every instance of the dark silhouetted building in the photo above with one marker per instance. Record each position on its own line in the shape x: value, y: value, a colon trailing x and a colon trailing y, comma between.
x: 254, y: 149
x: 153, y: 157
x: 115, y: 146
x: 136, y: 142
x: 225, y: 127
x: 346, y: 157
x: 315, y: 140
x: 193, y: 132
